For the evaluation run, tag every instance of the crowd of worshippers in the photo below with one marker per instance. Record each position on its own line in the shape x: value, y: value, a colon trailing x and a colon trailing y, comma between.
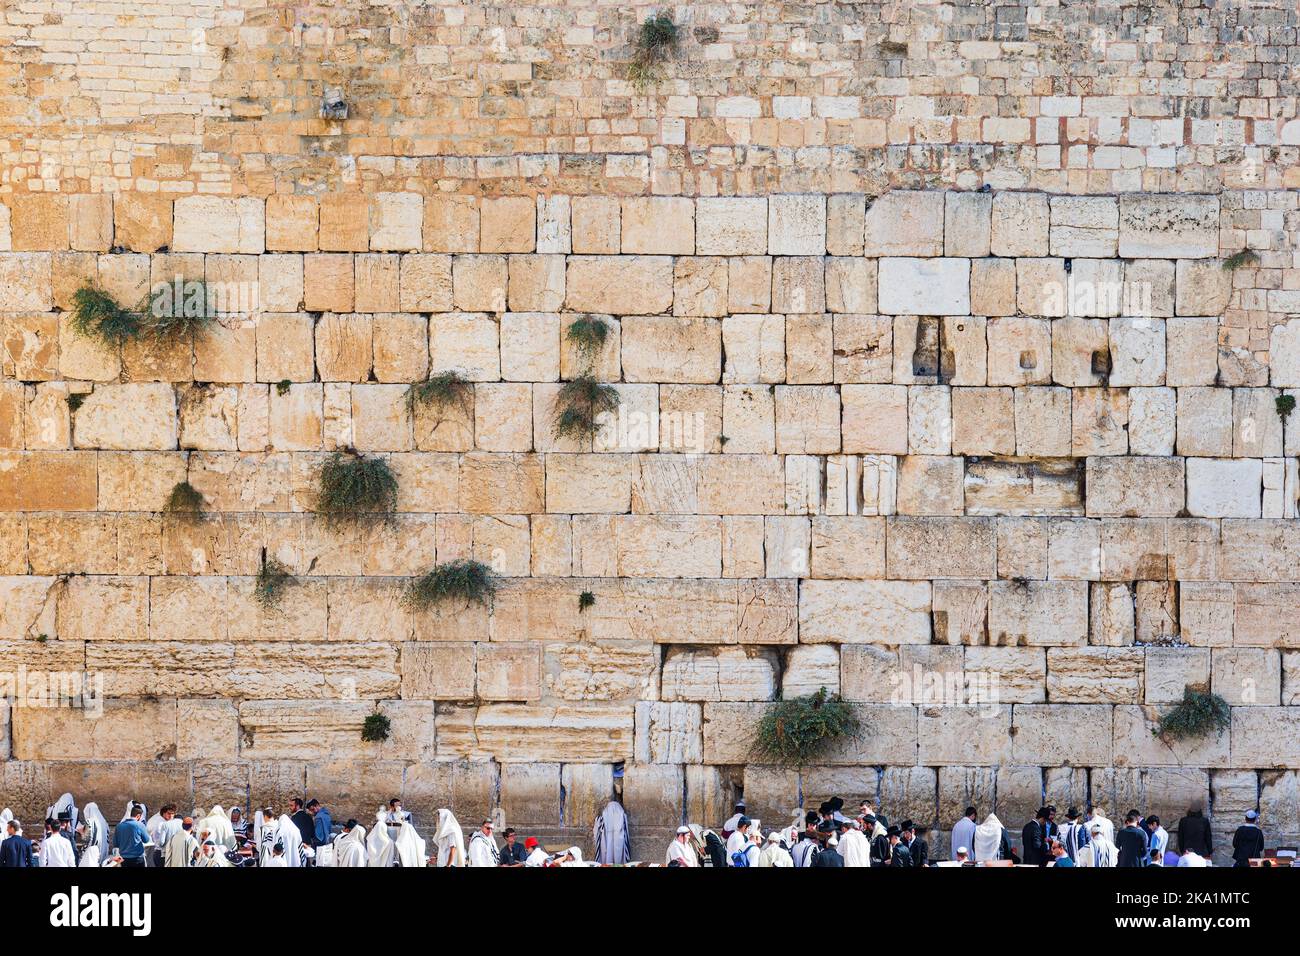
x: 304, y: 836
x: 828, y: 838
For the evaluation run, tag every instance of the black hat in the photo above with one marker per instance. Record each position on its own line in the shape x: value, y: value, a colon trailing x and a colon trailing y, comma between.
x: 870, y: 818
x: 836, y: 804
x: 906, y: 825
x: 825, y: 807
x: 350, y: 824
x: 894, y: 831
x: 826, y: 827
x: 1071, y: 813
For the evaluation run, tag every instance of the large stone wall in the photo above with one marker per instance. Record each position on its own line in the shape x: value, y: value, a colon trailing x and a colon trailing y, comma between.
x: 929, y: 366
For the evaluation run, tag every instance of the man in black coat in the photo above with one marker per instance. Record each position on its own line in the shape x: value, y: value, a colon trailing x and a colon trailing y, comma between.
x: 1034, y: 840
x: 880, y: 849
x: 827, y: 855
x: 1248, y: 841
x: 899, y: 857
x: 304, y: 821
x: 917, y: 846
x: 1132, y: 843
x: 1194, y: 834
x: 16, y: 849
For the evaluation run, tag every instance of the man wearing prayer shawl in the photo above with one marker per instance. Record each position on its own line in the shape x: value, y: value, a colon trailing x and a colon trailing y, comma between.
x: 773, y: 853
x: 56, y: 849
x: 1099, y: 851
x: 449, y: 840
x: 183, y: 847
x: 218, y: 826
x: 1096, y: 815
x: 963, y: 832
x: 680, y: 850
x: 350, y: 846
x: 65, y: 805
x: 733, y: 821
x: 990, y: 841
x: 482, y: 848
x: 855, y: 849
x: 572, y: 857
x: 287, y: 834
x: 610, y: 835
x: 379, y: 845
x: 96, y: 830
x: 408, y: 848
x: 740, y: 842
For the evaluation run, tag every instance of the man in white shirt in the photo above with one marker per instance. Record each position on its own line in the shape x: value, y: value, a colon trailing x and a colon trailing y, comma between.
x: 680, y: 850
x: 1191, y: 858
x: 482, y: 848
x: 739, y: 842
x: 56, y: 849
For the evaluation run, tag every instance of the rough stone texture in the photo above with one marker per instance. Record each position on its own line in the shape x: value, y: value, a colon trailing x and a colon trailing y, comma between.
x: 879, y: 430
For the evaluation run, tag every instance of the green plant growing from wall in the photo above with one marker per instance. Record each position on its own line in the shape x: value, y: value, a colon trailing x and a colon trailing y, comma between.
x: 580, y: 404
x: 1285, y: 406
x: 1197, y: 715
x: 75, y: 400
x: 585, y: 600
x: 376, y: 728
x: 185, y: 499
x: 443, y: 391
x: 795, y: 732
x: 354, y: 487
x: 1240, y: 260
x: 282, y: 386
x: 180, y: 310
x: 97, y: 315
x: 273, y: 579
x: 588, y: 335
x: 462, y: 581
x: 656, y: 41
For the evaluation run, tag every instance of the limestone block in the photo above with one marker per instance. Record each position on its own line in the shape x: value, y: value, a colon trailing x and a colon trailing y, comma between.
x: 127, y: 730
x: 809, y: 349
x: 216, y: 224
x: 1247, y: 676
x: 770, y: 793
x: 1100, y: 422
x: 850, y: 285
x: 910, y: 286
x: 1133, y: 485
x: 1157, y: 612
x: 931, y: 485
x: 870, y: 673
x: 1095, y: 675
x: 1113, y: 615
x: 929, y: 420
x: 1181, y: 226
x: 741, y: 484
x: 451, y: 223
x: 479, y: 283
x: 1137, y: 351
x: 1148, y: 288
x: 871, y: 612
x: 1009, y: 675
x: 671, y: 349
x: 754, y: 346
x: 25, y: 282
x: 700, y: 286
x: 847, y: 547
x: 344, y: 222
x: 1085, y: 226
x: 965, y: 735
x: 967, y: 224
x: 910, y: 793
x: 1043, y: 421
x: 1038, y: 613
x: 509, y: 671
x: 810, y: 668
x: 501, y: 484
x: 1042, y: 287
x: 874, y: 419
x: 514, y: 733
x: 1071, y: 735
x: 439, y: 670
x: 862, y: 348
x: 993, y: 286
x: 396, y: 220
x: 131, y: 416
x: 1170, y: 670
x: 610, y: 670
x: 622, y: 285
x: 798, y: 284
x: 983, y: 421
x: 292, y: 223
x: 1137, y: 745
x: 731, y: 226
x: 1152, y: 421
x: 536, y: 282
x: 143, y: 221
x: 1019, y: 224
x: 907, y: 223
x: 796, y: 225
x: 668, y: 733
x: 1193, y: 351
x: 1019, y: 351
x: 1024, y: 488
x: 1204, y: 421
x: 926, y: 548
x: 960, y: 612
x: 1224, y: 488
x: 377, y: 282
x: 658, y: 225
x: 1257, y: 427
x: 1203, y: 286
x: 749, y: 283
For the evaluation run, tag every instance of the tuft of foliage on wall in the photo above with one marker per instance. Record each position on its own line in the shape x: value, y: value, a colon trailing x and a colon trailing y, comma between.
x: 466, y: 582
x: 97, y: 315
x: 273, y: 578
x: 354, y: 487
x: 580, y: 403
x: 588, y: 335
x: 180, y: 311
x: 1240, y: 260
x: 376, y: 728
x: 1197, y: 715
x: 656, y: 41
x: 443, y: 391
x: 1285, y: 406
x: 585, y: 600
x: 185, y: 499
x: 795, y: 732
